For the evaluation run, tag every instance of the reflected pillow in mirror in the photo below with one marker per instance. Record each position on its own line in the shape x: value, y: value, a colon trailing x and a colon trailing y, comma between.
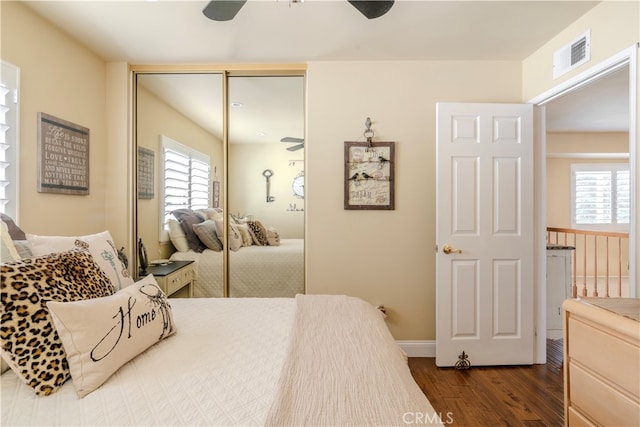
x: 210, y: 213
x: 247, y: 240
x: 187, y: 219
x: 177, y: 236
x: 234, y: 238
x: 206, y: 232
x: 258, y: 233
x: 273, y: 238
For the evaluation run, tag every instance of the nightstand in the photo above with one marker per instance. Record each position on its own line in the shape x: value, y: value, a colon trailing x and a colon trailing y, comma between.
x: 175, y: 279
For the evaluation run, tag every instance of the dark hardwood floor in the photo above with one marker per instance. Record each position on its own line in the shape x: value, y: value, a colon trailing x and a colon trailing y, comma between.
x: 495, y: 396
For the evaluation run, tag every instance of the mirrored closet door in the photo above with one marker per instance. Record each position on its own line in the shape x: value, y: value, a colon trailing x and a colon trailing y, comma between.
x: 266, y: 186
x: 179, y: 132
x: 221, y: 179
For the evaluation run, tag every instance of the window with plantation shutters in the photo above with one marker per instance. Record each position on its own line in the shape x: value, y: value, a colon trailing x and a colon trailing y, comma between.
x: 9, y: 126
x: 185, y: 177
x: 600, y: 194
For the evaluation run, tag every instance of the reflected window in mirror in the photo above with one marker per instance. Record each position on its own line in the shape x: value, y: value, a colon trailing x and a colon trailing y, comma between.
x: 186, y: 178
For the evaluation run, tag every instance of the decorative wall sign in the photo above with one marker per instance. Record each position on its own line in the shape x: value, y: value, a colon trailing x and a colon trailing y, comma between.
x: 215, y: 203
x: 63, y: 156
x: 369, y: 175
x: 146, y: 164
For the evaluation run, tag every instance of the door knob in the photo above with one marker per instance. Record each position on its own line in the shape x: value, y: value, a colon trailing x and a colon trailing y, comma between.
x: 449, y: 250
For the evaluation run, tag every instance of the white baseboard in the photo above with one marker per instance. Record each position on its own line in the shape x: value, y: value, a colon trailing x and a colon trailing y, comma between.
x: 418, y: 348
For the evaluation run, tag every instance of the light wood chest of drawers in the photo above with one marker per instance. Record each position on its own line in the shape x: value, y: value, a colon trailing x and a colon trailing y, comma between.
x: 602, y: 358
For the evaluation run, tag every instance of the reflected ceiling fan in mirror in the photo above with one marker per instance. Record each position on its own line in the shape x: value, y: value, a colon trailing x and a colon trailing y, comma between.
x: 291, y: 139
x: 226, y: 10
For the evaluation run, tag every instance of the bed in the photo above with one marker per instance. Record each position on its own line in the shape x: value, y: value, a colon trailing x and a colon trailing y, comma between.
x: 247, y: 361
x: 86, y: 344
x: 254, y: 271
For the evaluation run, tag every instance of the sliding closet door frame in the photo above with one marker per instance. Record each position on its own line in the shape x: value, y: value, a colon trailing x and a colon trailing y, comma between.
x: 226, y: 70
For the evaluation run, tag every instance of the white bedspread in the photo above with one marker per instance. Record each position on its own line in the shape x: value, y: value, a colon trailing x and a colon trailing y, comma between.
x: 312, y: 360
x: 227, y: 355
x: 345, y: 370
x: 254, y: 271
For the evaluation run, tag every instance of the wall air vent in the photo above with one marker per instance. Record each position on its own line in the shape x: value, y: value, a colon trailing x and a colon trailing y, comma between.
x: 572, y: 55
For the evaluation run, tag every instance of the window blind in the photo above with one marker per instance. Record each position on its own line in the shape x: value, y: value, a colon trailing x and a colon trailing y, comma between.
x: 600, y: 194
x: 9, y: 126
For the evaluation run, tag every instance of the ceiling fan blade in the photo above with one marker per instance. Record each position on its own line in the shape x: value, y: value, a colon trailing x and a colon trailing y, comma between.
x: 223, y: 10
x: 291, y: 139
x: 295, y: 147
x: 372, y: 8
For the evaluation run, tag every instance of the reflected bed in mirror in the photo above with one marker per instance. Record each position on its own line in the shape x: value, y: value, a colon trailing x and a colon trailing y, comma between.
x: 264, y: 111
x: 260, y: 263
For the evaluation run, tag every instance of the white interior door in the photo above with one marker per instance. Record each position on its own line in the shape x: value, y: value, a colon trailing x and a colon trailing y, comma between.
x: 484, y: 292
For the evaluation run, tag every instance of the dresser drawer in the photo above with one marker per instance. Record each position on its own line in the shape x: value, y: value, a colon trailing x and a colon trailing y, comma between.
x: 576, y: 419
x: 600, y: 400
x: 611, y: 358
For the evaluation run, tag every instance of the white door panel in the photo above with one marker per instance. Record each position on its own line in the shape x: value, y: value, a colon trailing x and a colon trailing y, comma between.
x: 485, y: 210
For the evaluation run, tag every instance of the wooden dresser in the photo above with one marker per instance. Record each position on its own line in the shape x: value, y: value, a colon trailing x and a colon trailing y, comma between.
x: 602, y: 358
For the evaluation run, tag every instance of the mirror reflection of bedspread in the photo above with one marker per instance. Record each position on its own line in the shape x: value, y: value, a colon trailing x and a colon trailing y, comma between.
x: 254, y: 271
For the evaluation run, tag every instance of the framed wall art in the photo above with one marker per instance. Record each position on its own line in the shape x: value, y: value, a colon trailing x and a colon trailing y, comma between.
x: 369, y: 175
x: 63, y: 156
x: 146, y: 173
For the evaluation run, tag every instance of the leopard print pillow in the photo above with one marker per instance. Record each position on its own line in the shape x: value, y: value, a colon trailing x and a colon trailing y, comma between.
x: 29, y: 342
x: 258, y: 232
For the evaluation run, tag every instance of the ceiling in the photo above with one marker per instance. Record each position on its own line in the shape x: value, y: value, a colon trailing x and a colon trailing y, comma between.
x: 153, y: 32
x: 280, y: 31
x: 602, y: 106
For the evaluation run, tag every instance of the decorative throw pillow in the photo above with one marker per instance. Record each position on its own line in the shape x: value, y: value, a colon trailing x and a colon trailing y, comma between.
x: 177, y: 236
x: 247, y: 240
x: 234, y: 238
x: 15, y: 232
x: 258, y: 233
x: 102, y: 334
x: 100, y: 245
x: 23, y: 247
x: 273, y: 238
x: 206, y: 232
x: 29, y: 342
x: 8, y: 250
x: 187, y: 219
x: 210, y: 213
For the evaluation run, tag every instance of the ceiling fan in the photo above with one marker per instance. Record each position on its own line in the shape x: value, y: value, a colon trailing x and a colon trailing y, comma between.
x: 298, y: 141
x: 226, y: 10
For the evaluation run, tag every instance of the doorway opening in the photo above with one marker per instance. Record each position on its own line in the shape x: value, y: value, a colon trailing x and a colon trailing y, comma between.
x: 609, y: 138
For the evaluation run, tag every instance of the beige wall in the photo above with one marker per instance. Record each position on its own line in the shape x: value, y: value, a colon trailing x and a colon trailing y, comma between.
x: 247, y: 186
x: 119, y: 207
x: 60, y: 77
x: 615, y: 26
x: 155, y: 118
x: 385, y: 257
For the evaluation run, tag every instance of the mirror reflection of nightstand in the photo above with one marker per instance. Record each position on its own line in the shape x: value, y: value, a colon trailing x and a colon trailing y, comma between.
x: 175, y: 278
